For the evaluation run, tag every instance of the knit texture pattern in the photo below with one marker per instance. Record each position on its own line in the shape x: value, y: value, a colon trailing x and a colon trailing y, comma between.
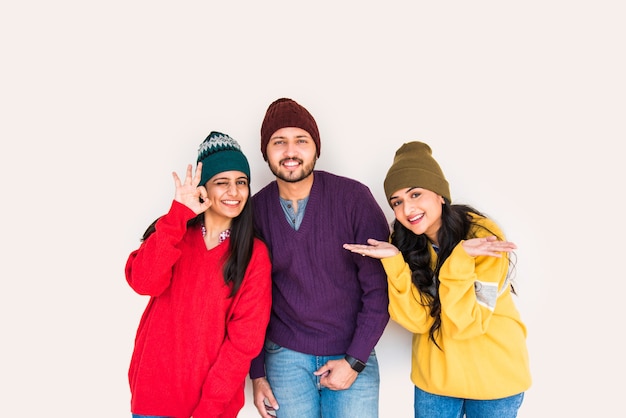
x: 326, y: 300
x: 215, y: 142
x: 218, y: 153
x: 286, y: 113
x: 414, y: 166
x: 194, y: 342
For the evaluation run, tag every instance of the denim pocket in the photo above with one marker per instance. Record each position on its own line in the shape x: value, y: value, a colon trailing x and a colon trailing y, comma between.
x: 271, y: 347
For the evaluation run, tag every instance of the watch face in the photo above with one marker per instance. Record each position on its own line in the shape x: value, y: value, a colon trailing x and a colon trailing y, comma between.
x: 357, y: 365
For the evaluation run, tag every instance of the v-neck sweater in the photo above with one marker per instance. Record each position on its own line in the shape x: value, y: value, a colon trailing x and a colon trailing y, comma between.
x: 325, y: 300
x: 194, y: 343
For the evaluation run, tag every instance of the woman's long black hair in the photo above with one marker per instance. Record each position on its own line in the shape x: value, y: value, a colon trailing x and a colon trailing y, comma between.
x: 456, y: 225
x: 240, y: 248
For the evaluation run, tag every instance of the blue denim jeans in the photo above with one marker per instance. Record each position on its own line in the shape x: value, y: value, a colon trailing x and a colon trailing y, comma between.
x: 149, y: 416
x: 299, y: 394
x: 428, y: 405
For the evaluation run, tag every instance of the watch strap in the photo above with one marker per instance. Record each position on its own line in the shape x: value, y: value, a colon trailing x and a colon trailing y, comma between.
x: 356, y: 364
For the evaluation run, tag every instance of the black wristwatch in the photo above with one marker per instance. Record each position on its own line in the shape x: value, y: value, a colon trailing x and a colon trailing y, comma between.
x: 356, y: 364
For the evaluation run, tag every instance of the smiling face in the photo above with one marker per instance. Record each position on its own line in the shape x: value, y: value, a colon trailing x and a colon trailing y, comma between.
x: 418, y: 210
x: 228, y: 193
x: 291, y: 154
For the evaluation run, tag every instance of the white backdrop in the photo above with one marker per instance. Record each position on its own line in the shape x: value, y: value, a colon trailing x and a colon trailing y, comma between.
x: 523, y: 104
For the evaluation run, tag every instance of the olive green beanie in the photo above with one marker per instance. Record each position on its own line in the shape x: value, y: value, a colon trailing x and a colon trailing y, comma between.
x: 414, y: 166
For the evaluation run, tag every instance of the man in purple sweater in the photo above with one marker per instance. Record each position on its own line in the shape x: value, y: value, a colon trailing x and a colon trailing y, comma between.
x: 329, y: 306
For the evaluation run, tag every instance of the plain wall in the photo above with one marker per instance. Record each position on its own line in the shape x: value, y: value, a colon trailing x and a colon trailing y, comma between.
x: 522, y: 102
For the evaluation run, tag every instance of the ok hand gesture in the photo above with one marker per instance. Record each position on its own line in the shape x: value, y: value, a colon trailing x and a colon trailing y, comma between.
x: 189, y: 193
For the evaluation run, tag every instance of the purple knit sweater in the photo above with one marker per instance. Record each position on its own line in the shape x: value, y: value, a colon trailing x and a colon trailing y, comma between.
x: 325, y: 300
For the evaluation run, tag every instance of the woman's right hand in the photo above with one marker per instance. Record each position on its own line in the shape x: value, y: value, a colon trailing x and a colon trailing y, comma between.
x: 375, y: 249
x: 189, y: 193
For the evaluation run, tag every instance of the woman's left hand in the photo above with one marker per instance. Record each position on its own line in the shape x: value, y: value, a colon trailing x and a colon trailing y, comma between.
x: 487, y: 246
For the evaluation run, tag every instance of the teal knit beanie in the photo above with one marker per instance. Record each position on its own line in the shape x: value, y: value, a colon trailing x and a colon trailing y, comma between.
x: 218, y: 153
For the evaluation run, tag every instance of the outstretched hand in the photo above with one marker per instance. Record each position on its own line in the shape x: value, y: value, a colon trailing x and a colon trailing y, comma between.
x: 189, y: 193
x: 487, y: 246
x: 375, y: 249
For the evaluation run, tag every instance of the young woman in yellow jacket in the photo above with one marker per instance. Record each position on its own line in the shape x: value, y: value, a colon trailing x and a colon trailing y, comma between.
x: 448, y: 272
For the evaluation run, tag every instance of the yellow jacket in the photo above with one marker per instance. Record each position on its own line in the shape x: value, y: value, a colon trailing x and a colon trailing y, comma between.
x: 482, y: 338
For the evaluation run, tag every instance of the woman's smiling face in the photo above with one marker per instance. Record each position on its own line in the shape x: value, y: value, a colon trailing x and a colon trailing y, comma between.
x: 418, y: 210
x: 228, y: 193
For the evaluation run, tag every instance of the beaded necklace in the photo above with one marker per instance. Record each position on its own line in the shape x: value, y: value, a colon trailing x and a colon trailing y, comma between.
x: 223, y: 234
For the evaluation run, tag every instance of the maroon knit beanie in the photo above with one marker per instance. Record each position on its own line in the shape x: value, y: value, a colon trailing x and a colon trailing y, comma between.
x: 286, y: 113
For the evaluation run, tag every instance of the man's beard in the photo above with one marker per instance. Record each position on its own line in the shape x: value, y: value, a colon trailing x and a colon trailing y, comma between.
x: 293, y: 176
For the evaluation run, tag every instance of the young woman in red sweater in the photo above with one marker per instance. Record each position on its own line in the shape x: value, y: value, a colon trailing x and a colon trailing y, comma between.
x: 208, y: 279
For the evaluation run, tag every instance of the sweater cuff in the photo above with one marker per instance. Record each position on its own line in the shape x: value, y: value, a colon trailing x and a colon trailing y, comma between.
x: 395, y: 267
x: 257, y: 366
x: 181, y: 210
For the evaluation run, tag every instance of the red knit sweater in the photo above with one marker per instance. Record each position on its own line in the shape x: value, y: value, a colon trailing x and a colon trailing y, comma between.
x: 194, y: 344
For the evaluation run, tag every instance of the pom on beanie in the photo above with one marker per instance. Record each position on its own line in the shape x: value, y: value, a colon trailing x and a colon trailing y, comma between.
x: 414, y: 166
x: 218, y: 153
x: 286, y: 113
